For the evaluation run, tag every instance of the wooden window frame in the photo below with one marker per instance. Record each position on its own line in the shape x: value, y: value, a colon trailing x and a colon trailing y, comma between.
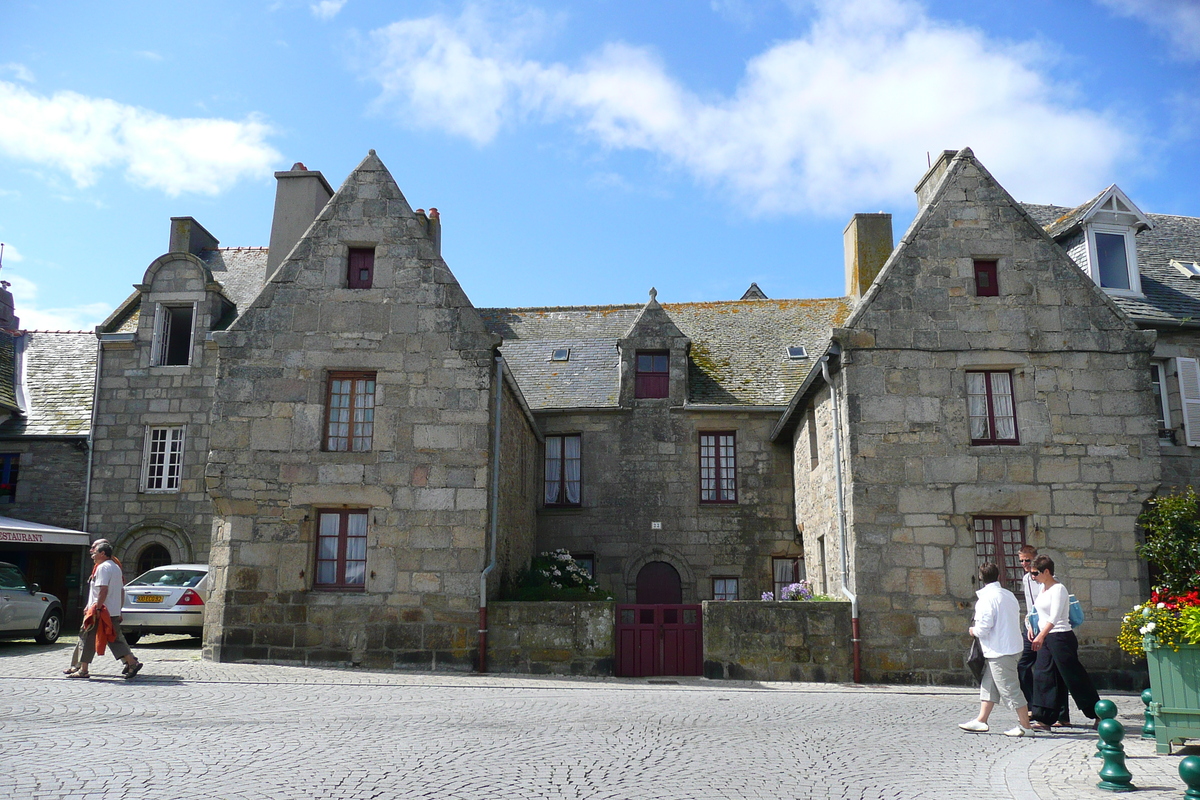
x: 1158, y: 385
x: 353, y: 443
x: 991, y: 407
x: 1004, y: 536
x: 1132, y: 276
x: 162, y: 346
x: 723, y: 593
x: 652, y: 383
x: 173, y: 441
x: 722, y: 461
x: 986, y: 284
x: 562, y: 484
x: 360, y: 260
x: 10, y: 474
x: 340, y: 559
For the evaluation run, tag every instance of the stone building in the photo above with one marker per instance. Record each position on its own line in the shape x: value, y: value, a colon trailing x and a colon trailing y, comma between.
x: 365, y: 458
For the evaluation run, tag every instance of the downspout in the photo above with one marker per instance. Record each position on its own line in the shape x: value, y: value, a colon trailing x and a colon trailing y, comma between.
x: 841, y: 512
x: 494, y: 516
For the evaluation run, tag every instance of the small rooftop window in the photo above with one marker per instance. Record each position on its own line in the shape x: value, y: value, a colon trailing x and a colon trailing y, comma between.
x: 561, y: 354
x: 1189, y: 268
x: 797, y: 353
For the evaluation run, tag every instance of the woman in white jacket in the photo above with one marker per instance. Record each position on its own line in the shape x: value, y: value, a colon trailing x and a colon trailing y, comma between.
x: 998, y: 628
x: 1057, y: 646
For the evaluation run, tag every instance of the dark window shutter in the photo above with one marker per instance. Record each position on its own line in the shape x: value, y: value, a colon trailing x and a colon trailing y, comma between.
x: 361, y: 268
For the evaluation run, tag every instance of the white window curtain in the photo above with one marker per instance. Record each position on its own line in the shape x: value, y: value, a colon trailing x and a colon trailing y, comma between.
x: 977, y: 405
x: 1002, y: 404
x: 554, y: 467
x: 571, y: 465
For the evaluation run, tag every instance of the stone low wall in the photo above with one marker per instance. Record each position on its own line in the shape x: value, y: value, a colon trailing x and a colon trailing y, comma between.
x: 551, y: 638
x: 778, y: 641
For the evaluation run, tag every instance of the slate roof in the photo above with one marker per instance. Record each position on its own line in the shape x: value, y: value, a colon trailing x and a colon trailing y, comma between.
x: 241, y: 271
x: 60, y: 372
x: 1171, y: 298
x: 739, y: 351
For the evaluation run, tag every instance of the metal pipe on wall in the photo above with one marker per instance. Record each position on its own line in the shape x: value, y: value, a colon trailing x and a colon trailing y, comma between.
x: 494, y: 516
x: 855, y: 637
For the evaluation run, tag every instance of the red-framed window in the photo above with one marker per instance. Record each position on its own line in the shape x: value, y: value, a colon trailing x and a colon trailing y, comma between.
x: 997, y: 539
x: 350, y: 411
x: 10, y: 466
x: 341, y: 550
x: 562, y: 479
x: 718, y: 467
x: 725, y: 588
x: 990, y: 407
x: 985, y: 279
x: 360, y: 268
x: 653, y: 378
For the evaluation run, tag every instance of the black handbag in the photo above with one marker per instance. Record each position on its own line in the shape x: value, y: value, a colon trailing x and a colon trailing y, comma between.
x: 975, y: 659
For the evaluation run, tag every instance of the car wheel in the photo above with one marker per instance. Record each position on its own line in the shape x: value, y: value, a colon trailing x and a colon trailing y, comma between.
x: 131, y: 638
x: 51, y: 628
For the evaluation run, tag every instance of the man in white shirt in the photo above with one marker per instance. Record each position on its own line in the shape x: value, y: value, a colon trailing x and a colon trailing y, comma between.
x: 106, y: 590
x: 998, y: 628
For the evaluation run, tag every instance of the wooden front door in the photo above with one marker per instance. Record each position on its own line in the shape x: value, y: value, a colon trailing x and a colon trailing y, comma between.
x: 657, y: 583
x: 659, y: 639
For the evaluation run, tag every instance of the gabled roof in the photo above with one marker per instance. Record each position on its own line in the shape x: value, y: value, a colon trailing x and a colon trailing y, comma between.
x: 1108, y: 200
x: 738, y: 354
x: 1171, y: 298
x: 59, y: 374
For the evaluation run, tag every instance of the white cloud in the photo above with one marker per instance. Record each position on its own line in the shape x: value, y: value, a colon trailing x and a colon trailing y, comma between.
x: 19, y: 71
x: 835, y: 120
x: 25, y: 296
x: 84, y: 135
x: 326, y: 9
x: 1177, y: 20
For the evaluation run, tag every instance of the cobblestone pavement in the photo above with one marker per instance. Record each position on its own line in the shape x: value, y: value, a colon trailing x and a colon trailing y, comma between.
x: 189, y: 728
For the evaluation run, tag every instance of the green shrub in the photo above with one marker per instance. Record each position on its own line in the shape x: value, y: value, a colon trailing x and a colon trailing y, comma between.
x: 555, y: 575
x: 1172, y: 526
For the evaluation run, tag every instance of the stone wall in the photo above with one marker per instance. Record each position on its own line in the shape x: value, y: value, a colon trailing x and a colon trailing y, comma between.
x: 816, y: 495
x: 640, y: 467
x: 1087, y: 457
x: 782, y: 641
x: 548, y: 638
x: 52, y: 481
x: 520, y: 484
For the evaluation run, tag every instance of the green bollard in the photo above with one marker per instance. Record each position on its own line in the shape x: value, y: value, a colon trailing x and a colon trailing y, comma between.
x: 1189, y: 771
x: 1114, y: 777
x: 1148, y: 726
x: 1105, y: 709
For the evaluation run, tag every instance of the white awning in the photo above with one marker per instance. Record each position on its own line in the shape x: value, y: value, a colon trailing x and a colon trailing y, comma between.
x: 21, y: 531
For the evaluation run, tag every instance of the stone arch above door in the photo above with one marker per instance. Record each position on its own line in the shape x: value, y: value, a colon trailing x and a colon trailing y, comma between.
x: 129, y: 545
x: 634, y: 566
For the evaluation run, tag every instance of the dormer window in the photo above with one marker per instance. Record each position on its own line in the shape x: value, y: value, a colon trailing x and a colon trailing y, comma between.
x: 1112, y: 258
x: 653, y: 377
x: 172, y: 346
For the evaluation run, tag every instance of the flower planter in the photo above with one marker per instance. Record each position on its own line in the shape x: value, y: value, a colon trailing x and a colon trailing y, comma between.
x: 1175, y: 684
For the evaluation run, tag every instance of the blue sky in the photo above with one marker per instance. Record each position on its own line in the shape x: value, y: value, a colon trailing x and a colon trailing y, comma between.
x: 578, y: 153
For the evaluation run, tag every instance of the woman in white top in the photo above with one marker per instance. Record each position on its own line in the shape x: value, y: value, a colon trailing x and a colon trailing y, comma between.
x: 1056, y: 647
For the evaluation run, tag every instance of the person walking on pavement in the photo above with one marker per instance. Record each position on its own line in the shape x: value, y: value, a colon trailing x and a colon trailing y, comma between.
x: 998, y: 628
x: 1032, y: 589
x: 1057, y: 648
x: 102, y: 616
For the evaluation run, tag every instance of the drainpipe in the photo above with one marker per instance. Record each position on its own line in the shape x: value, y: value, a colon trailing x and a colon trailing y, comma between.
x: 494, y: 517
x: 841, y: 512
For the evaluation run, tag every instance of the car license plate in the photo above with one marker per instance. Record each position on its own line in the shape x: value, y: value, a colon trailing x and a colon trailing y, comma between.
x: 149, y: 598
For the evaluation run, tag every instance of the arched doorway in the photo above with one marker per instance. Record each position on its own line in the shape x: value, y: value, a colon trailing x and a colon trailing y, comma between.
x: 658, y: 583
x: 154, y: 555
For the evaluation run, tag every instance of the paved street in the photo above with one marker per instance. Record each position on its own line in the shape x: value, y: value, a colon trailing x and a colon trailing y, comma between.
x: 188, y: 728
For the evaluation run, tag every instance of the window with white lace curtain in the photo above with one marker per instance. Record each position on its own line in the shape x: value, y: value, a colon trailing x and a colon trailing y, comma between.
x: 562, y: 470
x: 990, y: 407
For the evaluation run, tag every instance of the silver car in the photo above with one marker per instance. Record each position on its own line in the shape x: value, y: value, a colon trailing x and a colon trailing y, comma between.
x: 26, y: 612
x: 166, y: 599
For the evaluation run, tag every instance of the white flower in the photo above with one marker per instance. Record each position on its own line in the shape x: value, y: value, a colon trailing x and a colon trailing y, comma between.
x: 1150, y: 627
x: 591, y: 588
x: 1162, y: 605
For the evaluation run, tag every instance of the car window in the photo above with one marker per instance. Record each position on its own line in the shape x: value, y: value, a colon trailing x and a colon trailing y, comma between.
x: 165, y: 576
x: 11, y: 578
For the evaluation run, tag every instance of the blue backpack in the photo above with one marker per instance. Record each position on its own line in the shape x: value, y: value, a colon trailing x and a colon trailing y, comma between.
x: 1075, y: 613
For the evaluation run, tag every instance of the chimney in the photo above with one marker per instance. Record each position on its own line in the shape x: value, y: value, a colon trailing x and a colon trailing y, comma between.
x: 925, y: 188
x: 868, y: 243
x: 300, y: 194
x: 189, y: 236
x: 8, y: 312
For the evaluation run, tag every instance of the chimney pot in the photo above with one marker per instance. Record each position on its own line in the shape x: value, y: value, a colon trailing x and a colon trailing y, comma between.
x: 433, y: 213
x: 299, y: 167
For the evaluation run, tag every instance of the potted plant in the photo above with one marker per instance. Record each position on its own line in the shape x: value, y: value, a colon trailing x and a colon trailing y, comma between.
x: 1166, y: 628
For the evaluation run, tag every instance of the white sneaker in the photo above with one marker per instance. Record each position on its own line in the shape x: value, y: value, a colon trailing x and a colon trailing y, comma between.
x: 974, y: 726
x: 1019, y: 731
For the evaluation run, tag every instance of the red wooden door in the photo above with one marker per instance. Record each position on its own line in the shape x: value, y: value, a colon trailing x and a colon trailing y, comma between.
x: 659, y: 640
